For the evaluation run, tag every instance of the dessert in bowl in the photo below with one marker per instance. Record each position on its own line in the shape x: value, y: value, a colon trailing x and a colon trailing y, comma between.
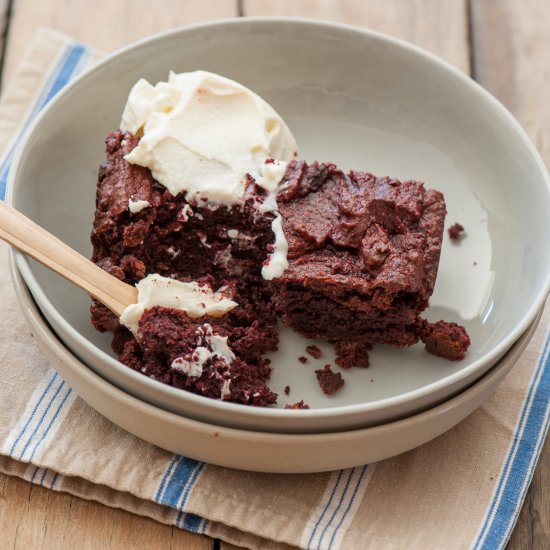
x: 199, y: 192
x: 387, y: 108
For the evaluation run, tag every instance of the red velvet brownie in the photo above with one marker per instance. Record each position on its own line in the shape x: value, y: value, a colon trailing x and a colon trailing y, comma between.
x: 363, y: 254
x: 456, y: 232
x: 211, y: 356
x: 448, y: 340
x: 329, y: 381
x: 221, y: 247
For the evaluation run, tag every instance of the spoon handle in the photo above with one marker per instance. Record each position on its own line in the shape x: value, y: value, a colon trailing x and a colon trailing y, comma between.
x: 22, y: 233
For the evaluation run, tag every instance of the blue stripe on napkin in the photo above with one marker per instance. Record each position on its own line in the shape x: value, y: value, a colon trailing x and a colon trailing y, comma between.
x: 48, y: 406
x: 349, y: 505
x: 341, y: 502
x: 42, y: 418
x: 328, y: 524
x: 327, y: 505
x: 56, y: 397
x: 71, y: 63
x: 40, y: 475
x: 521, y: 461
x: 180, y: 477
x: 65, y: 397
x: 31, y: 416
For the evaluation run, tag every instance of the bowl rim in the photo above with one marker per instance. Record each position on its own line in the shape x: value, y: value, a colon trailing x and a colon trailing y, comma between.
x: 473, y: 87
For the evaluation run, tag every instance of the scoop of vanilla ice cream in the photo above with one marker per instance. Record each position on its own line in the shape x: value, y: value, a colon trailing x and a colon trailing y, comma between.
x: 203, y: 133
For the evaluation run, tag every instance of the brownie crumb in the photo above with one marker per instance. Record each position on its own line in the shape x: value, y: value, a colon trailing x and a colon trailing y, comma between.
x: 352, y: 353
x: 314, y: 351
x: 448, y: 340
x: 329, y: 381
x: 287, y: 390
x: 302, y: 359
x: 456, y: 232
x: 299, y: 405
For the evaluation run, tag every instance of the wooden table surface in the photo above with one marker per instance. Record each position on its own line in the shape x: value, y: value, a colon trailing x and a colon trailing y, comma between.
x: 503, y: 44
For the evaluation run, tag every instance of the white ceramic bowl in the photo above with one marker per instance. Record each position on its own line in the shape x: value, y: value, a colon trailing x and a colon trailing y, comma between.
x: 251, y: 450
x: 355, y: 97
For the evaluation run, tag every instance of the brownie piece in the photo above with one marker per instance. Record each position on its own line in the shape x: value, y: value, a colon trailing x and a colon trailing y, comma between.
x: 448, y: 340
x: 171, y: 236
x: 222, y: 247
x: 299, y: 405
x: 207, y: 356
x: 456, y: 232
x: 352, y: 353
x: 363, y: 254
x: 314, y: 351
x: 329, y: 381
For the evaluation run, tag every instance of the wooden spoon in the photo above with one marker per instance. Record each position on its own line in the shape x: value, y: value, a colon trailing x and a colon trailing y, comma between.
x: 22, y: 233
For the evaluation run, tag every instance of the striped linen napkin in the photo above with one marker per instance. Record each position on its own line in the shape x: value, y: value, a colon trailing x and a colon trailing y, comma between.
x: 462, y: 490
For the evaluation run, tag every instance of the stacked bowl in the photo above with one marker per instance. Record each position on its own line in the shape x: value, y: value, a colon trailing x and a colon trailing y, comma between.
x: 364, y: 101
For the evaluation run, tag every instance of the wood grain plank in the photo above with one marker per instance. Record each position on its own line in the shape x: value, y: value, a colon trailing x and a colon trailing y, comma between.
x: 511, y: 44
x: 511, y: 41
x: 105, y: 24
x: 533, y: 526
x: 34, y: 517
x: 439, y: 26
